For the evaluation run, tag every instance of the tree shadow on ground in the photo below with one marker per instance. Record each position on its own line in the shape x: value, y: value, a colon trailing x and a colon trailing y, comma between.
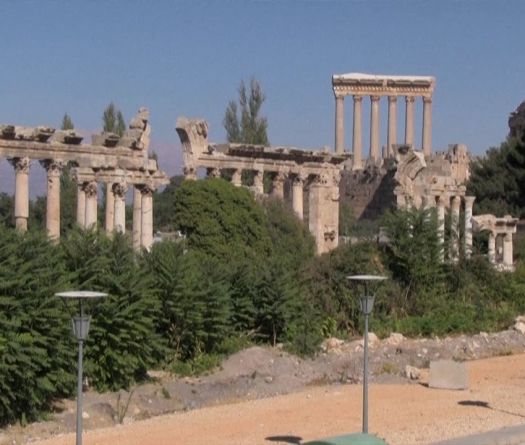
x: 287, y: 439
x: 483, y: 404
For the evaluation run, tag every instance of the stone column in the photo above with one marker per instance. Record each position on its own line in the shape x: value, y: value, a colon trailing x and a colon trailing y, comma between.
x: 81, y: 206
x: 508, y: 257
x: 91, y: 189
x: 137, y: 218
x: 237, y: 178
x: 409, y: 121
x: 455, y: 231
x: 492, y: 247
x: 339, y: 124
x: 258, y: 183
x: 297, y: 195
x: 147, y: 217
x: 119, y: 193
x: 278, y: 185
x: 213, y: 173
x: 469, y: 203
x: 54, y: 169
x: 427, y: 126
x: 392, y: 125
x: 357, y: 140
x: 374, y: 128
x: 441, y: 223
x: 110, y: 208
x: 21, y: 166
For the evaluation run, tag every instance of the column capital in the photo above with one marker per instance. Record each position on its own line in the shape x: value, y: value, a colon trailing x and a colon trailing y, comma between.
x: 146, y: 189
x: 357, y: 98
x: 119, y: 189
x: 443, y: 200
x: 427, y: 99
x: 339, y: 96
x: 469, y: 200
x: 409, y: 99
x: 52, y: 166
x: 90, y: 189
x: 299, y: 178
x: 375, y: 98
x: 213, y: 172
x: 21, y: 165
x: 456, y: 201
x: 279, y: 177
x: 392, y: 99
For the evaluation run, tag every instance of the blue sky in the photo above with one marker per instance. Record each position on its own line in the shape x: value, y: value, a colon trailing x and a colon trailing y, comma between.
x: 187, y: 58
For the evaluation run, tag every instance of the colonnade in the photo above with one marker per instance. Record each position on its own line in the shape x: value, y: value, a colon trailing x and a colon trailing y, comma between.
x: 298, y: 182
x: 363, y: 85
x: 87, y: 203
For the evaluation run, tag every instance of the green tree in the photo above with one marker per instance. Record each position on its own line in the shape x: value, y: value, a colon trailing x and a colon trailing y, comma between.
x: 68, y: 189
x: 221, y: 220
x: 36, y: 348
x: 413, y: 253
x: 67, y: 123
x: 165, y: 205
x: 498, y: 180
x: 123, y: 342
x: 113, y: 120
x: 195, y: 298
x: 243, y: 123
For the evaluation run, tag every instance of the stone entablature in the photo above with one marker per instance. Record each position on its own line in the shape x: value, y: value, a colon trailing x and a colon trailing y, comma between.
x: 383, y: 85
x: 113, y: 160
x: 360, y: 85
x: 315, y: 173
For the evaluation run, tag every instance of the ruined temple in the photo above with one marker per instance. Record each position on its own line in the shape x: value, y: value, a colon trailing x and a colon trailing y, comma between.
x: 117, y: 161
x: 402, y: 173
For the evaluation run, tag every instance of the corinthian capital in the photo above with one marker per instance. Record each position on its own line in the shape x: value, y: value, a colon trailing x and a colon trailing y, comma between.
x: 120, y: 189
x: 21, y: 165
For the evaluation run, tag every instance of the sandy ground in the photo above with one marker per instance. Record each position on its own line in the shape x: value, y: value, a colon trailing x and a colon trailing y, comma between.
x: 401, y: 414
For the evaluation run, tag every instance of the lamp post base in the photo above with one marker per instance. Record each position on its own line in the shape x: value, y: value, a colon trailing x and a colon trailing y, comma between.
x: 349, y: 439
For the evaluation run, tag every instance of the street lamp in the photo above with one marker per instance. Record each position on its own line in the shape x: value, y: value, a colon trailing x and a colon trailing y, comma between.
x: 367, y: 304
x: 80, y: 325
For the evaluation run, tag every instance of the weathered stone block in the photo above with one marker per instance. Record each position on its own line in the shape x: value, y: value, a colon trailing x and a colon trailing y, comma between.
x: 448, y: 374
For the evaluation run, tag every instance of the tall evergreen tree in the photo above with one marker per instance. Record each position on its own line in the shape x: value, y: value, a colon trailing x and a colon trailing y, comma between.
x: 68, y: 188
x: 249, y: 127
x: 113, y: 120
x: 67, y: 123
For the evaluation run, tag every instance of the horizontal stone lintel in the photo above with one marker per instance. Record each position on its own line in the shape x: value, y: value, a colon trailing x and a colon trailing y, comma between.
x: 267, y: 166
x: 277, y: 153
x: 84, y: 155
x: 370, y: 90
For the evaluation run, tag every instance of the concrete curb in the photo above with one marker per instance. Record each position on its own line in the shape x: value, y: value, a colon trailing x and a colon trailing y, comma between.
x: 512, y: 435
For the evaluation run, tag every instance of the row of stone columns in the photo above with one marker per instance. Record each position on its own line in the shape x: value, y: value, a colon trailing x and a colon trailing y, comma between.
x: 454, y: 203
x: 115, y: 218
x: 278, y: 180
x: 374, y: 152
x: 87, y: 203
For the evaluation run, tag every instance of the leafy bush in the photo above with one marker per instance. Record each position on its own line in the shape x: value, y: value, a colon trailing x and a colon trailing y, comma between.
x: 36, y: 355
x: 123, y: 341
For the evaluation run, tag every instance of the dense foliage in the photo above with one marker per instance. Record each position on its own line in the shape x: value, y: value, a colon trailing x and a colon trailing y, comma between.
x: 245, y: 272
x: 498, y: 180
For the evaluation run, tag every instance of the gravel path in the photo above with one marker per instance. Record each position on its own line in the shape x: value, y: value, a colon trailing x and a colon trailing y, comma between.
x: 403, y: 414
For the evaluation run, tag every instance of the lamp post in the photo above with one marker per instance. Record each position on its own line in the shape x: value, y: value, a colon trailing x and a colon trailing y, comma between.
x: 367, y: 303
x: 80, y: 324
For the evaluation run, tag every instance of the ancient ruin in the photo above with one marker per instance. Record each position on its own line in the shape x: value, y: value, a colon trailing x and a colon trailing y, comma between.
x: 375, y: 86
x: 500, y: 232
x: 116, y: 161
x: 310, y: 177
x: 399, y: 175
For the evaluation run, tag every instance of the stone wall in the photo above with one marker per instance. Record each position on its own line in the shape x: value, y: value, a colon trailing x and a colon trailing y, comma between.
x: 369, y: 193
